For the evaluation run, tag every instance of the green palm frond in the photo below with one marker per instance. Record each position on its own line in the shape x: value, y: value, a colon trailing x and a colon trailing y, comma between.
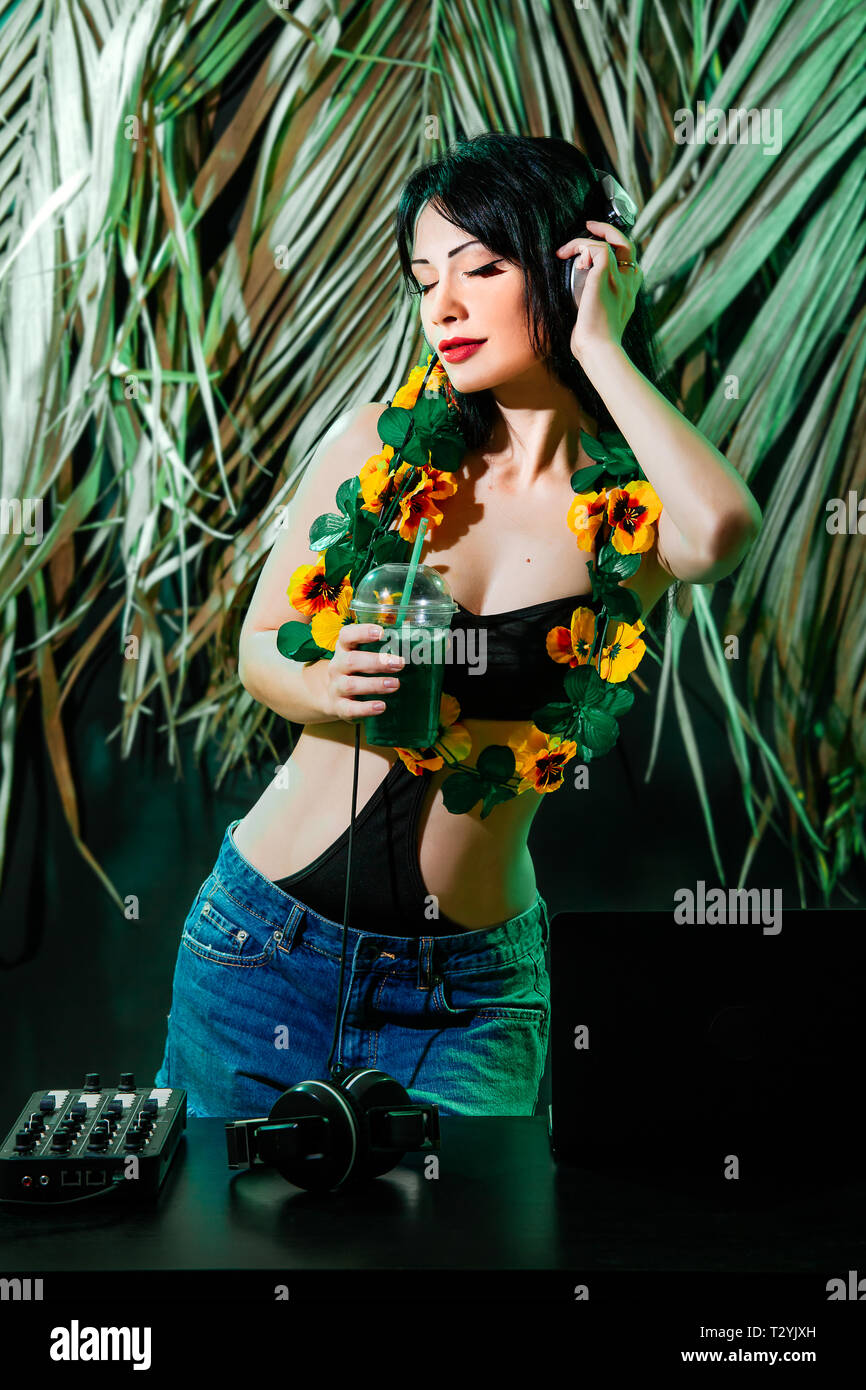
x: 197, y: 278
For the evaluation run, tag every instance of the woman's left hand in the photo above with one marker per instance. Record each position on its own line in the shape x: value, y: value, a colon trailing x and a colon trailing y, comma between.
x: 609, y: 292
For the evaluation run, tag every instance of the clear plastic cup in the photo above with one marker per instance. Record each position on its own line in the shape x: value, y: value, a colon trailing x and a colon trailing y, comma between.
x: 411, y: 715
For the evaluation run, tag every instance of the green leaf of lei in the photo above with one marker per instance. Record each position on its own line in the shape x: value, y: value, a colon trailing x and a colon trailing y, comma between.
x: 487, y: 783
x: 294, y: 641
x: 326, y: 529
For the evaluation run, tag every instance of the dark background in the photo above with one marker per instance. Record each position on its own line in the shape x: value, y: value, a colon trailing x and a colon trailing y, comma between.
x: 83, y: 989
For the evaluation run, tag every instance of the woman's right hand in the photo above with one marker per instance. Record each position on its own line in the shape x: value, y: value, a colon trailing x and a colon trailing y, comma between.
x: 352, y: 673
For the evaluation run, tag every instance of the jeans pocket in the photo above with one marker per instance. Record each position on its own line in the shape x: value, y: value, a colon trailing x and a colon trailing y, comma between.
x: 225, y: 931
x: 512, y: 990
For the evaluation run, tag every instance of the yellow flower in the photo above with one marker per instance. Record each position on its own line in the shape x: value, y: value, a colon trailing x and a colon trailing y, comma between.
x: 573, y: 645
x: 584, y: 517
x: 631, y: 511
x: 454, y: 738
x: 539, y: 758
x: 325, y: 627
x: 624, y: 652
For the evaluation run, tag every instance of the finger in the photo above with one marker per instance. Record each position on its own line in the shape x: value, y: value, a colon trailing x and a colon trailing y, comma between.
x: 611, y: 234
x: 357, y: 687
x: 351, y: 634
x: 623, y: 243
x: 601, y: 257
x: 377, y: 663
x: 613, y: 267
x: 570, y: 248
x: 358, y: 709
x: 618, y: 267
x: 604, y: 262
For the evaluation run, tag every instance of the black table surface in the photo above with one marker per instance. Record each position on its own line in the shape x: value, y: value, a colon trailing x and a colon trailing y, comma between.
x: 500, y: 1201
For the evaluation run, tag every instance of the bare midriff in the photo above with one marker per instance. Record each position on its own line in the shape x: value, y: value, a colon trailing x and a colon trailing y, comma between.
x: 481, y: 871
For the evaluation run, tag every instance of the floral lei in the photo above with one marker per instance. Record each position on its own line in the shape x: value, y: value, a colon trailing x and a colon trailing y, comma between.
x: 403, y: 484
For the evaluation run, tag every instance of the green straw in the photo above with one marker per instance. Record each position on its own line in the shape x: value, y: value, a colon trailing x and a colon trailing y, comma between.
x: 410, y: 573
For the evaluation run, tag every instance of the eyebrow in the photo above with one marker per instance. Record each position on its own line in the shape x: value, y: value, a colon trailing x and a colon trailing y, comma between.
x: 422, y: 260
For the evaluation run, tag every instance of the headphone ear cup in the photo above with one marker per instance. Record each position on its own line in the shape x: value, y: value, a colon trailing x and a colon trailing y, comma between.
x: 345, y: 1157
x: 367, y: 1087
x: 335, y: 1163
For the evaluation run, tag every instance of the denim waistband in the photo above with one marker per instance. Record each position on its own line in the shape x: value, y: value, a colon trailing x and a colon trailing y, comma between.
x: 498, y: 944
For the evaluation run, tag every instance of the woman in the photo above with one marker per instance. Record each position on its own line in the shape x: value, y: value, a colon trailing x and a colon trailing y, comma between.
x: 446, y: 987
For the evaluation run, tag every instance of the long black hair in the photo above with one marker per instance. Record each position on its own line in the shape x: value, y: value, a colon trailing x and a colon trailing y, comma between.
x: 523, y: 196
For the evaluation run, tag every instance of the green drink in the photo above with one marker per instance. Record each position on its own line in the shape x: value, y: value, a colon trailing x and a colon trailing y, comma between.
x: 411, y: 715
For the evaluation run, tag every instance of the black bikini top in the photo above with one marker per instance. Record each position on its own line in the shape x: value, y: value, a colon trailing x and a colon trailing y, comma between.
x: 500, y: 667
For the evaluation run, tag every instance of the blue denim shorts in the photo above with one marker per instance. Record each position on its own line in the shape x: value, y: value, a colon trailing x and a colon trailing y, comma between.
x: 462, y: 1020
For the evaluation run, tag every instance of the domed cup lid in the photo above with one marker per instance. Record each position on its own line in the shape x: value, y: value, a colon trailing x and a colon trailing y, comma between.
x: 379, y: 594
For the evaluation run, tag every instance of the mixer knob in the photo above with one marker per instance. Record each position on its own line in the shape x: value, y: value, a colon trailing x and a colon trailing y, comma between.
x: 127, y: 1081
x: 91, y: 1082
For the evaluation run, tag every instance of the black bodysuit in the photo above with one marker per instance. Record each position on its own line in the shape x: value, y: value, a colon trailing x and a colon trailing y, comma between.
x: 388, y: 893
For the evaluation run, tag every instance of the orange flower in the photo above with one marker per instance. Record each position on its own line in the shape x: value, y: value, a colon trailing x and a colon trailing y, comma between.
x: 539, y: 758
x: 374, y: 479
x: 623, y: 654
x: 585, y: 515
x: 432, y: 486
x: 308, y: 592
x: 574, y: 644
x: 631, y: 511
x: 407, y: 395
x: 325, y: 627
x: 454, y: 738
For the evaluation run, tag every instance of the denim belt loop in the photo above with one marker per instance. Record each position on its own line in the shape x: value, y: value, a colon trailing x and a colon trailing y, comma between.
x: 296, y: 912
x: 425, y: 962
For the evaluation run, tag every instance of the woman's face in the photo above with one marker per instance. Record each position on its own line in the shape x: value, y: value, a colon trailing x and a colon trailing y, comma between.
x: 458, y: 302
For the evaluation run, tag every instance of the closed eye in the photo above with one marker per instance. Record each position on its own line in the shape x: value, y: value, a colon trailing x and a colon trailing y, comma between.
x: 422, y: 289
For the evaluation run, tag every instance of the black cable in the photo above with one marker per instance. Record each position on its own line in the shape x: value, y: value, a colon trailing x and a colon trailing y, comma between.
x: 335, y: 1071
